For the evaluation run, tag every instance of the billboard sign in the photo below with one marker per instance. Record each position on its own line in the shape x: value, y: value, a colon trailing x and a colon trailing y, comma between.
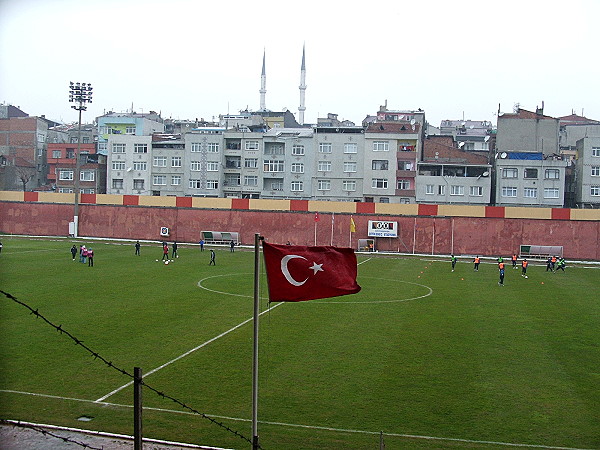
x: 383, y: 228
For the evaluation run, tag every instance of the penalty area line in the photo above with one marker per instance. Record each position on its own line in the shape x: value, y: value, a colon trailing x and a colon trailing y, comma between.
x: 183, y: 355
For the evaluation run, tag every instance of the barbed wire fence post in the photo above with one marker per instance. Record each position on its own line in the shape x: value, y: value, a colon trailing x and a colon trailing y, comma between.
x: 137, y: 408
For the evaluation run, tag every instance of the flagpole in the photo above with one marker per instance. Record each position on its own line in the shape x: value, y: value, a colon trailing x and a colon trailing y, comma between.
x: 332, y: 219
x: 255, y: 445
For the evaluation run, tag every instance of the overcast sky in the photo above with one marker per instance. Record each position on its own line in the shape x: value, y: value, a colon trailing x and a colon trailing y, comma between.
x: 198, y: 59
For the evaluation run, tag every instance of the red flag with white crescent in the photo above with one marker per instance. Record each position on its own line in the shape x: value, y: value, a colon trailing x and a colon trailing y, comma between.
x: 296, y: 273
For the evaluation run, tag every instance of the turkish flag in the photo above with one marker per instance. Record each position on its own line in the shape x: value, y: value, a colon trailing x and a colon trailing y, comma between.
x: 296, y: 272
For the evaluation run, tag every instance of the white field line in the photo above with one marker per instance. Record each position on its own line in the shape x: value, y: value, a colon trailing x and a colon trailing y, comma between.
x: 311, y: 427
x: 104, y: 397
x: 187, y: 353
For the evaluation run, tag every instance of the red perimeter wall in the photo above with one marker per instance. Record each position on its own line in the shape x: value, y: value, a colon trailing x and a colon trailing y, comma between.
x: 419, y: 234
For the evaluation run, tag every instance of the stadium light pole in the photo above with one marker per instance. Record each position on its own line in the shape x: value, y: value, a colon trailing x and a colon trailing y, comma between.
x: 80, y: 94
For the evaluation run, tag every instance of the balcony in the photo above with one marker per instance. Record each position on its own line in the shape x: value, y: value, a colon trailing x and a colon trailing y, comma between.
x: 406, y: 173
x: 405, y: 192
x: 406, y: 148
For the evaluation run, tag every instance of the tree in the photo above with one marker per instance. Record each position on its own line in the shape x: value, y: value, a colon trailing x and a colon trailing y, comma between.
x: 25, y: 173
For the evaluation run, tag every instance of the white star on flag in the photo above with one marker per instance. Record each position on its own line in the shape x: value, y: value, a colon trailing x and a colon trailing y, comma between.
x: 316, y: 268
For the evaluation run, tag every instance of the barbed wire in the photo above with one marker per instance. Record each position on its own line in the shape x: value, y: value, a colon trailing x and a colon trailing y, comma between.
x: 46, y: 432
x: 110, y: 364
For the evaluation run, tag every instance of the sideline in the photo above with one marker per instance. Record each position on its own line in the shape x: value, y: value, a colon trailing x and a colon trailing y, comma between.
x: 311, y: 427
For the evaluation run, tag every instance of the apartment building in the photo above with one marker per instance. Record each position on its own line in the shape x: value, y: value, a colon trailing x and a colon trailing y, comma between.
x: 587, y: 191
x: 530, y: 179
x: 131, y: 124
x: 450, y: 174
x: 62, y: 167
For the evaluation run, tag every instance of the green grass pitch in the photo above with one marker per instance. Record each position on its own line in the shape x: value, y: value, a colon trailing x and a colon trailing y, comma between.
x: 430, y: 357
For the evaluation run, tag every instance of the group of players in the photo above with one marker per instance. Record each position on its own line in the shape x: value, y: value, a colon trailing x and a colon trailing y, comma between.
x: 553, y: 264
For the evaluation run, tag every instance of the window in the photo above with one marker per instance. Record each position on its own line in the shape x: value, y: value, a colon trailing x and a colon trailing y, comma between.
x: 117, y: 183
x: 62, y: 190
x: 324, y: 166
x: 140, y: 148
x: 118, y: 148
x: 277, y: 185
x: 351, y: 147
x: 158, y: 180
x: 403, y: 184
x: 196, y: 147
x: 130, y: 130
x: 379, y: 164
x: 297, y: 186
x: 384, y: 199
x: 251, y: 145
x: 441, y: 189
x: 250, y: 180
x: 510, y: 172
x: 457, y: 190
x: 212, y: 166
x: 70, y: 153
x: 551, y: 193
x: 429, y: 189
x: 349, y: 185
x: 160, y: 161
x: 195, y: 166
x: 176, y: 161
x: 212, y: 184
x: 251, y: 163
x: 298, y: 150
x: 379, y: 183
x: 324, y: 185
x: 405, y: 165
x: 476, y: 191
x: 232, y: 179
x: 175, y: 180
x: 139, y: 165
x: 596, y: 171
x: 56, y: 153
x: 349, y: 166
x: 118, y: 165
x: 87, y: 175
x: 277, y: 149
x: 552, y: 174
x: 529, y: 192
x: 381, y: 146
x: 86, y: 140
x: 595, y: 191
x: 595, y: 151
x: 41, y: 137
x: 509, y: 191
x: 325, y: 147
x: 88, y: 191
x: 531, y: 173
x: 65, y: 175
x: 102, y: 147
x: 297, y: 168
x: 273, y: 166
x: 195, y: 184
x: 213, y: 147
x: 139, y: 184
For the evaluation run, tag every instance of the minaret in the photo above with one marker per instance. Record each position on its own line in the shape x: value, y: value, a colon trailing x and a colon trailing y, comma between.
x: 302, y: 87
x: 263, y: 85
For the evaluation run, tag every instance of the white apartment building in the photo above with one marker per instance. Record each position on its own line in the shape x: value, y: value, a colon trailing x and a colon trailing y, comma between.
x: 587, y: 191
x: 129, y: 164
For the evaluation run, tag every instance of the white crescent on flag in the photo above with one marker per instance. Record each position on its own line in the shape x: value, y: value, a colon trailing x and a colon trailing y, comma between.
x: 286, y: 272
x: 288, y: 276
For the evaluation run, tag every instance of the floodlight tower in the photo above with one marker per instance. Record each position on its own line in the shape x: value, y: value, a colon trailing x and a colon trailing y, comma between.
x: 80, y: 94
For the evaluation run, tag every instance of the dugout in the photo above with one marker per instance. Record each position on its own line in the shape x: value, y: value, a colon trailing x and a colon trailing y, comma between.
x: 540, y: 251
x: 366, y: 245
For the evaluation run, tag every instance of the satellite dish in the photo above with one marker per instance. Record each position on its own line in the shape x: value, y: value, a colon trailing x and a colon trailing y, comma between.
x: 412, y: 121
x: 485, y: 174
x: 503, y: 155
x: 471, y: 127
x: 485, y: 139
x: 129, y: 169
x: 460, y: 144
